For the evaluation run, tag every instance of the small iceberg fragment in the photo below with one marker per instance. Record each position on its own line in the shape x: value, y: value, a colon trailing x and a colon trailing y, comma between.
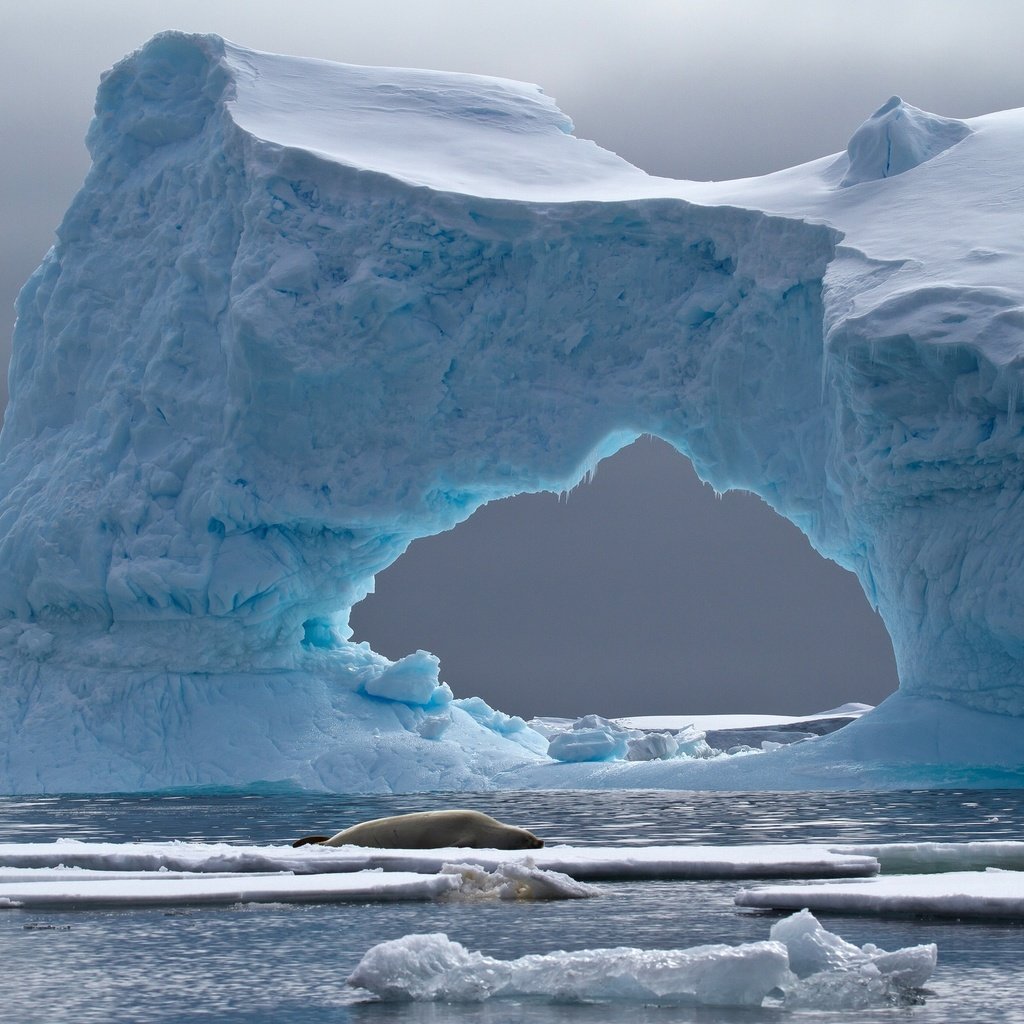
x: 410, y: 680
x: 652, y: 746
x: 593, y: 738
x: 434, y: 968
x: 801, y: 966
x: 813, y: 950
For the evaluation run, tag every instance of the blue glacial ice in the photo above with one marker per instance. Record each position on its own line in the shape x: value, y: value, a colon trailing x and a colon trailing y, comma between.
x: 301, y: 314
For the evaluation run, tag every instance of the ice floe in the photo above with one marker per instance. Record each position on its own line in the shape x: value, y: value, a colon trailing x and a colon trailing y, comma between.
x: 922, y: 858
x: 586, y: 863
x: 802, y: 965
x: 957, y: 894
x: 33, y: 888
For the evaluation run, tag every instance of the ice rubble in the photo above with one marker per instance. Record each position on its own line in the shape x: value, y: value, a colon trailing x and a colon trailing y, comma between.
x: 593, y: 738
x: 302, y: 313
x: 805, y: 964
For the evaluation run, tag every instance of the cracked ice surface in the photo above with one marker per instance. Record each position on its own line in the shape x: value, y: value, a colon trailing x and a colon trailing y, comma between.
x: 302, y: 313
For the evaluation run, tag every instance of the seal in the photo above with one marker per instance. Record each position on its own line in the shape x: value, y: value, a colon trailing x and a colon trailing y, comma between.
x: 430, y: 830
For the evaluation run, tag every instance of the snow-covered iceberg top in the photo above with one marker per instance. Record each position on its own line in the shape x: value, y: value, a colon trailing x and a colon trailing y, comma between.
x: 301, y: 314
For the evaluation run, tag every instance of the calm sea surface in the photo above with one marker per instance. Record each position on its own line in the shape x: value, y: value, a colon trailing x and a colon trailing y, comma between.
x: 289, y: 963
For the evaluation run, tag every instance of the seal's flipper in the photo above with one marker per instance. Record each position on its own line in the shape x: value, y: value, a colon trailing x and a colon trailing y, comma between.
x: 307, y: 840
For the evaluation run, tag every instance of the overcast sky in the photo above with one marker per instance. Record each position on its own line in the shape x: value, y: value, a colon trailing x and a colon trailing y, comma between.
x: 642, y: 592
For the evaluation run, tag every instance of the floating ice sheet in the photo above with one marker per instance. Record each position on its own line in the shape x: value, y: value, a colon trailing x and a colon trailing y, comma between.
x: 957, y: 894
x: 157, y: 889
x: 922, y: 858
x: 586, y: 863
x: 802, y: 963
x: 77, y: 887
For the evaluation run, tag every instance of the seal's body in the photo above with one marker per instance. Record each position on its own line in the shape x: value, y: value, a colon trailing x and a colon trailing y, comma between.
x: 428, y: 830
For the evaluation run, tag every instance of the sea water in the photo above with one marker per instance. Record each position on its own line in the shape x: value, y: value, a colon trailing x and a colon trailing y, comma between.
x: 288, y: 963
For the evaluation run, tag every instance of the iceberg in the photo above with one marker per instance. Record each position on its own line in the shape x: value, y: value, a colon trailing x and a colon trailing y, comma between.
x: 303, y: 313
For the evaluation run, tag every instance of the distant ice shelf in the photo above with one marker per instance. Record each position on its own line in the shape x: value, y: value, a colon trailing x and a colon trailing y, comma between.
x: 303, y: 313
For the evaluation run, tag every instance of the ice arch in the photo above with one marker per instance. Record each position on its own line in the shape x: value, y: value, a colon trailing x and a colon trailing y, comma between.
x: 302, y: 313
x: 253, y: 374
x: 638, y: 592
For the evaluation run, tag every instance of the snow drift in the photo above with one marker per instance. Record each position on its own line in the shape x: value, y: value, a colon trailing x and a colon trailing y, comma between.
x: 301, y: 314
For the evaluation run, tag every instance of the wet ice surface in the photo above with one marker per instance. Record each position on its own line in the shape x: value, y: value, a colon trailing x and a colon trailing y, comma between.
x: 272, y: 963
x: 800, y: 965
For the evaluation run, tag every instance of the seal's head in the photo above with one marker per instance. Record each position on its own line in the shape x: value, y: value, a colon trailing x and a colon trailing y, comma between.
x: 518, y: 839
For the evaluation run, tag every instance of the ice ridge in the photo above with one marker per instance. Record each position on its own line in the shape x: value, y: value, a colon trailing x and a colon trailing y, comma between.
x: 896, y: 138
x: 301, y: 314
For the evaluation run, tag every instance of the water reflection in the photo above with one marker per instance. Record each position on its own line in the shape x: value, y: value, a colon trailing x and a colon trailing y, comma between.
x: 588, y: 817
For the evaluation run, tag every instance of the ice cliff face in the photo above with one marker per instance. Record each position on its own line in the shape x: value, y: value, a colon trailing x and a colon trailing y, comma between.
x: 301, y: 314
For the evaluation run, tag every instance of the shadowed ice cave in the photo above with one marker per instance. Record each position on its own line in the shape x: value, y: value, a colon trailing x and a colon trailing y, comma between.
x: 301, y: 314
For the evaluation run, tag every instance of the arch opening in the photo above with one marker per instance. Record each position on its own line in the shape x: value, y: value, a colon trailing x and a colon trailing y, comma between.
x: 639, y: 592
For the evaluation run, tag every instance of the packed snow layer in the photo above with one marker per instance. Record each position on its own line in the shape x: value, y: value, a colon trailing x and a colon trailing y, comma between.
x: 809, y: 966
x: 301, y: 314
x: 587, y: 863
x: 957, y: 894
